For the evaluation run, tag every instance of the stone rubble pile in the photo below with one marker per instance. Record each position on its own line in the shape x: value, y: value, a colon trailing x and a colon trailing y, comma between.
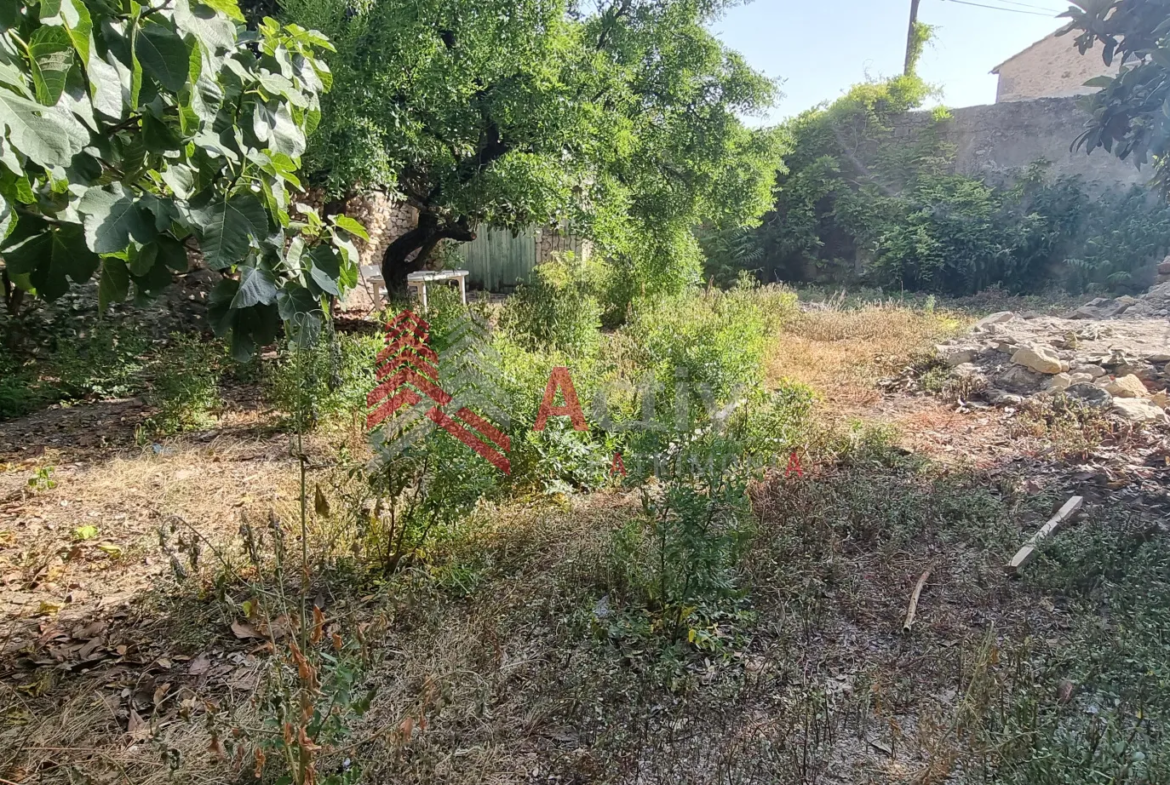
x: 1109, y: 353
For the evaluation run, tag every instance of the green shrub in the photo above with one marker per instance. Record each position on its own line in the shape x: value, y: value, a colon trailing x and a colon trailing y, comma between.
x: 21, y: 391
x: 106, y: 361
x: 321, y: 376
x: 103, y: 361
x: 859, y: 203
x: 712, y: 342
x: 185, y: 388
x: 557, y: 309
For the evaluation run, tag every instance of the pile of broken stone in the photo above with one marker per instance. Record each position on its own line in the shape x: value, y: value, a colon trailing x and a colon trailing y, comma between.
x: 1110, y: 354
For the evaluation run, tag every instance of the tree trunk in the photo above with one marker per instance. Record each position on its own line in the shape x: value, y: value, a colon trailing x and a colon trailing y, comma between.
x: 397, y: 262
x: 13, y: 295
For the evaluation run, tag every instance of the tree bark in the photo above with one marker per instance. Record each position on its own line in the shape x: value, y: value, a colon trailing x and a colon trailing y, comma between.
x: 397, y: 262
x: 13, y: 295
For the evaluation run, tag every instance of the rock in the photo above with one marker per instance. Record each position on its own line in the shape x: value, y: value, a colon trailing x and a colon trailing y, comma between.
x: 1080, y: 378
x: 955, y: 355
x: 1157, y: 357
x: 1060, y: 381
x: 995, y: 318
x: 1127, y: 387
x: 1164, y: 267
x: 1161, y: 398
x: 1090, y: 395
x: 1100, y: 308
x: 1140, y: 370
x: 1139, y: 410
x: 1040, y: 358
x: 968, y: 371
x: 1007, y: 346
x: 1001, y: 398
x: 1095, y: 371
x: 1018, y: 379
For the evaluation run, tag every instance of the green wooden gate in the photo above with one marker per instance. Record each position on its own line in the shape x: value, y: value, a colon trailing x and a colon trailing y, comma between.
x: 497, y: 260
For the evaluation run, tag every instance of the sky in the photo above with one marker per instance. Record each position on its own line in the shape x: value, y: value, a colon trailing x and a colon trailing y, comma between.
x: 820, y: 48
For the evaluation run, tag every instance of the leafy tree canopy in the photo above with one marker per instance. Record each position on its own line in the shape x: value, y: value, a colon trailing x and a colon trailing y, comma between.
x: 131, y: 133
x: 621, y: 119
x: 1130, y: 116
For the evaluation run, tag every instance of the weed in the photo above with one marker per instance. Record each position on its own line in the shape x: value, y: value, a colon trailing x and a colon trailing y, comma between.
x: 42, y: 480
x: 326, y: 379
x: 104, y: 362
x: 1074, y: 430
x: 557, y: 310
x: 185, y: 388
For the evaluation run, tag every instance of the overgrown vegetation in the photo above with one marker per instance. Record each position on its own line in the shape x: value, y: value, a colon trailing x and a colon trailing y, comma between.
x: 618, y: 118
x: 699, y: 577
x: 858, y: 203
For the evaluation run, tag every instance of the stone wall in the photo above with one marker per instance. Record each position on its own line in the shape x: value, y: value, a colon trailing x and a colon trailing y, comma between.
x: 1050, y: 68
x: 996, y: 139
x: 384, y: 219
x: 550, y: 240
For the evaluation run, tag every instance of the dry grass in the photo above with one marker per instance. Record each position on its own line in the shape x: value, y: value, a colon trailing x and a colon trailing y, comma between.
x: 841, y: 353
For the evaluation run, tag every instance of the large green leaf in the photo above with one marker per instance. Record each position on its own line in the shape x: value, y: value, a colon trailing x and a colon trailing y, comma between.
x: 352, y: 226
x: 49, y: 9
x: 51, y: 54
x: 107, y: 80
x: 293, y: 300
x: 9, y: 13
x: 163, y: 55
x: 325, y: 269
x: 249, y: 327
x: 142, y: 259
x: 113, y: 218
x: 45, y: 136
x: 214, y: 31
x: 78, y: 23
x: 257, y: 287
x: 287, y: 137
x: 173, y: 254
x: 52, y: 259
x: 230, y: 8
x: 114, y: 284
x: 227, y: 228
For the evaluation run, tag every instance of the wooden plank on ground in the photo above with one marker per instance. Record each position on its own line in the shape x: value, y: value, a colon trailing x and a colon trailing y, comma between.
x: 1025, y: 554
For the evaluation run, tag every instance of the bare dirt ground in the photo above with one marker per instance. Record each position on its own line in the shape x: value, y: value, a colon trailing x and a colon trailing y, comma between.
x: 110, y: 674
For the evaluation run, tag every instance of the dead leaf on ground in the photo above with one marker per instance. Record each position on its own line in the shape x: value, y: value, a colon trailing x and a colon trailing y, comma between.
x: 160, y: 693
x: 244, y: 631
x: 135, y: 723
x: 199, y: 665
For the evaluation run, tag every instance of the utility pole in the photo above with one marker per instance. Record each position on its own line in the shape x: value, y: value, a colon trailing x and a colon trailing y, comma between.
x: 910, y: 37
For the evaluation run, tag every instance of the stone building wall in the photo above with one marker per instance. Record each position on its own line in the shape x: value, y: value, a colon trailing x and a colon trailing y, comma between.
x: 1050, y: 68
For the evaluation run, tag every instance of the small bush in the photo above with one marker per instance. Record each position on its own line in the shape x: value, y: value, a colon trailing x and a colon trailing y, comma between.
x: 185, y: 389
x: 710, y: 341
x: 322, y: 376
x: 556, y: 310
x: 105, y: 362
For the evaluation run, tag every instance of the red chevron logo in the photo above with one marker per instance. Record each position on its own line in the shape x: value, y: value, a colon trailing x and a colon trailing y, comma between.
x: 407, y: 371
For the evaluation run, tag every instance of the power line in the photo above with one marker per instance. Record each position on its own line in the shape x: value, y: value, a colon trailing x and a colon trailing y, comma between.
x: 1001, y: 8
x: 1037, y: 7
